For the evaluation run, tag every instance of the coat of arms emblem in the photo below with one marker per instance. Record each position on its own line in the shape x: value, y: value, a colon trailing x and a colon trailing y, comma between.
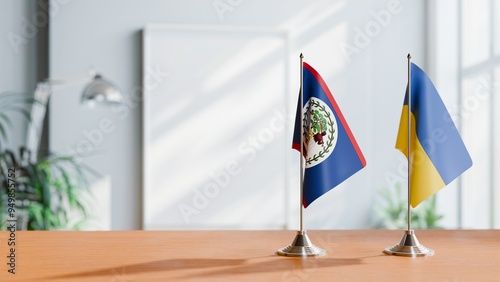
x: 320, y: 131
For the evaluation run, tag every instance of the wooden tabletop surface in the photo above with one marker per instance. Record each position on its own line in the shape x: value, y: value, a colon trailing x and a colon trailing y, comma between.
x: 353, y: 255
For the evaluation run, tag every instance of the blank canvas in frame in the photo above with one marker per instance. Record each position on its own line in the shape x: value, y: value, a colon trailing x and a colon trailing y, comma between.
x: 214, y: 128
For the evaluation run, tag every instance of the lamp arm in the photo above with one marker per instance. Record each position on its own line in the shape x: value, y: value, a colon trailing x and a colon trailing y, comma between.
x: 99, y: 89
x: 38, y: 110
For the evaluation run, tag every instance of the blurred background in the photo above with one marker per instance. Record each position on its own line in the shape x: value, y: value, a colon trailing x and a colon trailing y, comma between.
x: 201, y: 138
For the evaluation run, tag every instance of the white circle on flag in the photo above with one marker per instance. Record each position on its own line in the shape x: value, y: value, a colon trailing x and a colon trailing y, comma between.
x: 320, y: 131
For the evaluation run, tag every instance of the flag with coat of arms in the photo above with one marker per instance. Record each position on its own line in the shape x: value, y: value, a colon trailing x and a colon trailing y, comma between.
x: 331, y: 153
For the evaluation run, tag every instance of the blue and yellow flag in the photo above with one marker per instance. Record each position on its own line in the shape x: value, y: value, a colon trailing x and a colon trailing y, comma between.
x: 438, y: 154
x: 331, y: 153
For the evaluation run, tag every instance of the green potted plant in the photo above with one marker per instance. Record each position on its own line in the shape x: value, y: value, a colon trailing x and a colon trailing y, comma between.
x: 49, y: 193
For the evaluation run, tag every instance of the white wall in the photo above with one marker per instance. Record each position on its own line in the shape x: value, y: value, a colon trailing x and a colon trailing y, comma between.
x: 368, y: 85
x: 17, y: 57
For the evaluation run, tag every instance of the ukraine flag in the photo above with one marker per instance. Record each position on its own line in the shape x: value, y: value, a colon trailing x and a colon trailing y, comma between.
x: 438, y: 154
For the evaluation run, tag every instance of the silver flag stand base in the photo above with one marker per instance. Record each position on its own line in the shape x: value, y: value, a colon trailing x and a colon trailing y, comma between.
x: 301, y: 247
x: 409, y: 247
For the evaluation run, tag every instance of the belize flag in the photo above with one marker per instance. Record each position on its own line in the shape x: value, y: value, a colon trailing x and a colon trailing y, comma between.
x: 438, y: 154
x: 331, y: 153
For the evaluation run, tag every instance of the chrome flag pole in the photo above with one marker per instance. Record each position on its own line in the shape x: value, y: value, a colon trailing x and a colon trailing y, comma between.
x: 409, y: 245
x: 301, y: 245
x: 301, y: 161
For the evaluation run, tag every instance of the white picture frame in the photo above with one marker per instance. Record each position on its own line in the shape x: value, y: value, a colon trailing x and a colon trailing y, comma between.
x: 216, y: 127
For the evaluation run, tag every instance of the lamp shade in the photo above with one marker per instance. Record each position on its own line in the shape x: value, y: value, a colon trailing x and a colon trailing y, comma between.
x: 102, y: 91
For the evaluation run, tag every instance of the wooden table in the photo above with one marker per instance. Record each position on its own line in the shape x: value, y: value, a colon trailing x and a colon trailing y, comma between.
x: 461, y: 255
